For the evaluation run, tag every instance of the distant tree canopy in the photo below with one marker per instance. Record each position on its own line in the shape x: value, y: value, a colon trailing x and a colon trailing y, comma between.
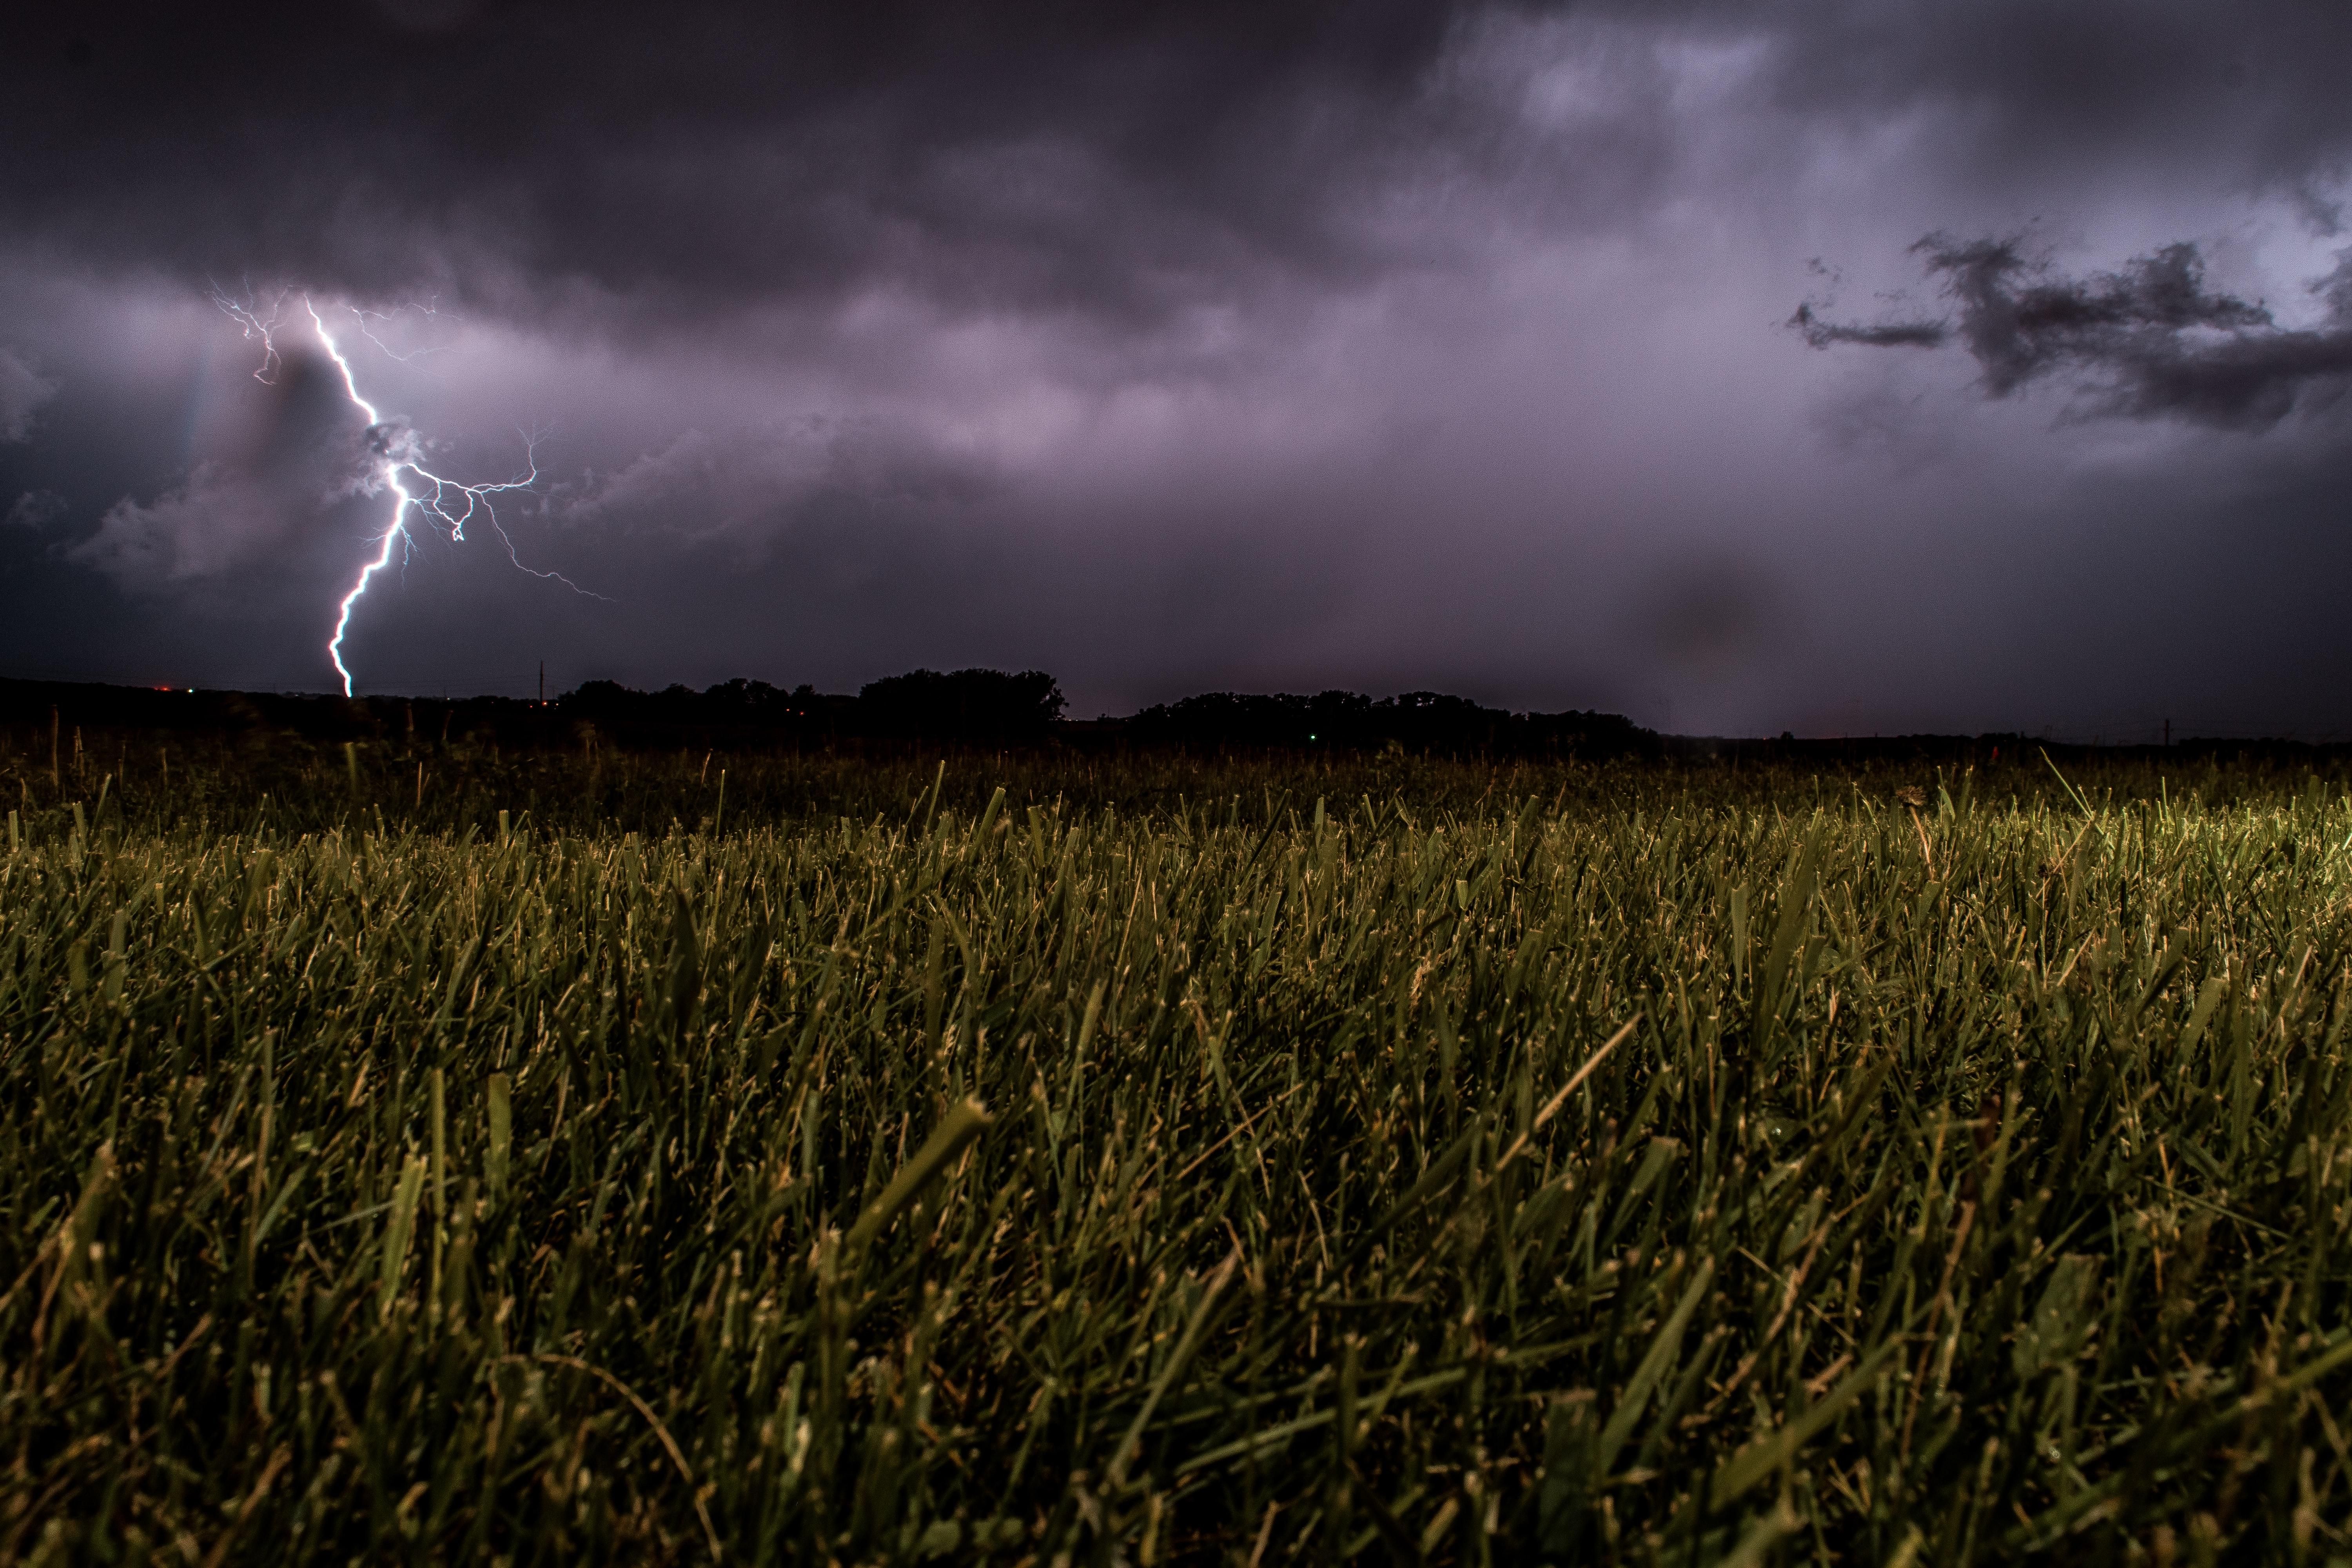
x: 988, y: 707
x: 973, y: 706
x: 967, y: 705
x: 1415, y: 721
x: 737, y: 701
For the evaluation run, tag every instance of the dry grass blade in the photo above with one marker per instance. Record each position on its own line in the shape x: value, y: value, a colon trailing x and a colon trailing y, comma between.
x: 1576, y: 1080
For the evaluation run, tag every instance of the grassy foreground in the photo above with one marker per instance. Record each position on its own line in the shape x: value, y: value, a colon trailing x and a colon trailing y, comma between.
x: 1599, y: 1165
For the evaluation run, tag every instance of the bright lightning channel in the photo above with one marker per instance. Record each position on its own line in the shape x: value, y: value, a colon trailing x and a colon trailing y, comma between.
x: 397, y: 452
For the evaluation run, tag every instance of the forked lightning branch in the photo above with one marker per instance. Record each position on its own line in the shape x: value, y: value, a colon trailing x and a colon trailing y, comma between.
x: 395, y: 455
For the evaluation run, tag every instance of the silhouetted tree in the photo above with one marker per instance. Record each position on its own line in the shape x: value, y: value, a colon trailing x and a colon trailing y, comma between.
x: 963, y: 705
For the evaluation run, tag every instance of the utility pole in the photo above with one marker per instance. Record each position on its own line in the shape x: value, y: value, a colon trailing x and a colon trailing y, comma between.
x: 543, y: 683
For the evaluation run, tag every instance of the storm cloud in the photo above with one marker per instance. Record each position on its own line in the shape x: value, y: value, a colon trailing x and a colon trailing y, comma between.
x: 23, y: 390
x: 1393, y: 346
x: 2149, y: 339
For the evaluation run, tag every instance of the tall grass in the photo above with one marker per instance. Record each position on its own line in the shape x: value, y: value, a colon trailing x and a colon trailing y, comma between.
x: 1228, y: 1166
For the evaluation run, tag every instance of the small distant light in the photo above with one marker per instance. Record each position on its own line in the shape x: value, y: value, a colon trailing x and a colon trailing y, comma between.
x: 1310, y: 736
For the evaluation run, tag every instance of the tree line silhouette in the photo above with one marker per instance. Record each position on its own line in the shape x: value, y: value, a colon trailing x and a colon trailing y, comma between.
x: 989, y: 709
x: 985, y: 708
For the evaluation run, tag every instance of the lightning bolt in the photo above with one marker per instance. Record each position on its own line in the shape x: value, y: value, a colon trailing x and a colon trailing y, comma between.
x: 398, y: 454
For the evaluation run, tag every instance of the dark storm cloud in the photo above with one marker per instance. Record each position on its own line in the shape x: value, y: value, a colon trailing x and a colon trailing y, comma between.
x: 2093, y: 93
x: 1234, y: 343
x: 1821, y: 333
x: 2150, y: 338
x: 1090, y: 156
x: 2254, y: 88
x: 1125, y: 160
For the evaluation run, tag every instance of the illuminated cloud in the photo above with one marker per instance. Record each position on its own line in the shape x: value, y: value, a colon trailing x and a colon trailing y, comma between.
x: 35, y: 509
x: 23, y: 390
x: 216, y: 524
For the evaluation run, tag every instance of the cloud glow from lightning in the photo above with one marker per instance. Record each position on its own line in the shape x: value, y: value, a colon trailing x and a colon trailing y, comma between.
x: 396, y: 452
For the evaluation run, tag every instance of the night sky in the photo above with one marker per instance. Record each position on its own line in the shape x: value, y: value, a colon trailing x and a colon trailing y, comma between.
x: 1835, y: 367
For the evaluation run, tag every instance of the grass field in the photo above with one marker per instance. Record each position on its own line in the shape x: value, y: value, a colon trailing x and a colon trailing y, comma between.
x: 542, y: 1158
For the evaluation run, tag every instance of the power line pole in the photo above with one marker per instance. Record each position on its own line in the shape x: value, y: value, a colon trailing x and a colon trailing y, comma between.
x: 543, y: 683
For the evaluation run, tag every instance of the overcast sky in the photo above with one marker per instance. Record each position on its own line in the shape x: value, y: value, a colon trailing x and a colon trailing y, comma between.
x: 1829, y: 367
